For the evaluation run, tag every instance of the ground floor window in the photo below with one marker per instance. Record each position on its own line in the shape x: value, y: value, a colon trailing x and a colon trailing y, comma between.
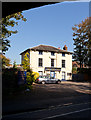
x: 68, y: 74
x: 40, y: 73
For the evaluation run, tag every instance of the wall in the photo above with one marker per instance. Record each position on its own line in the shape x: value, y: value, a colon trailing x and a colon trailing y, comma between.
x: 34, y: 55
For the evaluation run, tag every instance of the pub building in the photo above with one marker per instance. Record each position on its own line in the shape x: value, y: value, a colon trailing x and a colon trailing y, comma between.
x: 50, y: 61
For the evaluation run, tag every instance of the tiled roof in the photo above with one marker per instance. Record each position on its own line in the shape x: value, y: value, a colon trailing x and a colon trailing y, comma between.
x: 47, y: 48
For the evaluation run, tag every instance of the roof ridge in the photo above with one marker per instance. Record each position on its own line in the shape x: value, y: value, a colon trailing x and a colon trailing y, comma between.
x: 43, y: 45
x: 47, y: 48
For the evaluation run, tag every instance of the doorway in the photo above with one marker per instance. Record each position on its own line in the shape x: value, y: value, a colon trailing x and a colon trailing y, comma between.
x: 52, y: 74
x: 63, y: 75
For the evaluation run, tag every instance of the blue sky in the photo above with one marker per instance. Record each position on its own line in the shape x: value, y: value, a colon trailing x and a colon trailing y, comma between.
x: 48, y: 25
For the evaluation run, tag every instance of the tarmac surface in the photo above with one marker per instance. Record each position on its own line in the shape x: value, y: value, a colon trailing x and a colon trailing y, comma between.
x: 47, y: 96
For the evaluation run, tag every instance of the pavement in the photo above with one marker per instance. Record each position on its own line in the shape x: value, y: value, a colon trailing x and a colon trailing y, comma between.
x: 46, y: 96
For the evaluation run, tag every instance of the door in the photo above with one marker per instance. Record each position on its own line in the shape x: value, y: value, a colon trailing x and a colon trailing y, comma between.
x: 63, y: 75
x: 52, y: 76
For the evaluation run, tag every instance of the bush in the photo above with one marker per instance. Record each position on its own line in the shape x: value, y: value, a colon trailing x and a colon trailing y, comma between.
x: 84, y: 70
x: 29, y: 79
x: 9, y: 80
x: 74, y: 70
x: 36, y: 75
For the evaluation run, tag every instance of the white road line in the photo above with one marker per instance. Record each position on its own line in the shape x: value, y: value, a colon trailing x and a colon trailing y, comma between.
x: 76, y: 104
x: 65, y: 114
x: 50, y: 108
x: 68, y: 104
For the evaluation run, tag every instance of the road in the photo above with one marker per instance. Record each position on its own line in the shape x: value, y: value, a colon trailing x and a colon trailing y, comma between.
x: 81, y: 110
x: 50, y: 101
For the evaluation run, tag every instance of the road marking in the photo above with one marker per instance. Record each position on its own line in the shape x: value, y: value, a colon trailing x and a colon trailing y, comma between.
x: 50, y: 108
x: 65, y: 114
x: 76, y: 104
x: 68, y: 104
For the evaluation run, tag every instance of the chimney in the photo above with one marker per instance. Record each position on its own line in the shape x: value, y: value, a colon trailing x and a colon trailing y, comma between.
x: 65, y: 47
x: 58, y: 47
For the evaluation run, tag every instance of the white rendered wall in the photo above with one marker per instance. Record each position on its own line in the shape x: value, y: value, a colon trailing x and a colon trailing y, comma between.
x: 34, y: 55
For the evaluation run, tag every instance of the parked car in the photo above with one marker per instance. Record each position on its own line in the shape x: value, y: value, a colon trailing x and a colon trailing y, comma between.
x: 46, y: 79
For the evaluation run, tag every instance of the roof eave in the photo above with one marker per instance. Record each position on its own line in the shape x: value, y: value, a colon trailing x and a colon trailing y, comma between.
x: 24, y: 51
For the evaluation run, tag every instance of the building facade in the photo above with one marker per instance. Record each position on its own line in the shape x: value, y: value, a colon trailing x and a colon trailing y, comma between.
x: 50, y: 61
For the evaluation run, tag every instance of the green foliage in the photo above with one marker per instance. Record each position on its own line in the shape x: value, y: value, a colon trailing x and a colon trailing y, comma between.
x: 5, y: 61
x: 85, y: 71
x: 82, y: 42
x: 74, y: 70
x: 26, y: 62
x: 14, y: 64
x: 9, y: 80
x: 36, y: 75
x: 30, y: 79
x: 4, y: 24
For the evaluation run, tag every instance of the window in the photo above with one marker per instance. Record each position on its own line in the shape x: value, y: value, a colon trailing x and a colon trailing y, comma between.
x: 63, y: 63
x: 68, y: 74
x: 52, y: 53
x: 40, y: 73
x: 52, y: 62
x: 63, y: 54
x: 40, y: 52
x: 40, y: 62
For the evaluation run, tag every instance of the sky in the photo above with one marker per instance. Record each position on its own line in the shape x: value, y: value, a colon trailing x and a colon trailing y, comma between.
x: 47, y: 25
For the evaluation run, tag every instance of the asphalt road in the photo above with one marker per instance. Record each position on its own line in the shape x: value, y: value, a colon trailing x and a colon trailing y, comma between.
x: 81, y: 110
x: 85, y: 114
x: 49, y: 100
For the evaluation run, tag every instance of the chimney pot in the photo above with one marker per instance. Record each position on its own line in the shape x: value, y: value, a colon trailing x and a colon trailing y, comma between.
x: 65, y: 47
x: 58, y: 47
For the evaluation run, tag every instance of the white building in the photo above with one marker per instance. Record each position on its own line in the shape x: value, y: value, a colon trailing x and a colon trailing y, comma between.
x: 51, y: 61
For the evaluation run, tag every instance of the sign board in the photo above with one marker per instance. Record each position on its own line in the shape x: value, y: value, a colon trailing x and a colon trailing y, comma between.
x: 52, y: 69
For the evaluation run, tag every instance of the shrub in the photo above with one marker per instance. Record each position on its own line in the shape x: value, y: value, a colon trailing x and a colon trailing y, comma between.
x: 29, y: 79
x: 74, y: 70
x: 36, y: 75
x: 9, y: 80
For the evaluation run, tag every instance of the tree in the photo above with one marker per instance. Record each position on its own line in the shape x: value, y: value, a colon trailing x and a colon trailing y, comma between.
x: 82, y: 42
x: 26, y: 62
x: 74, y: 70
x: 14, y: 64
x: 5, y: 61
x: 36, y: 75
x: 10, y: 20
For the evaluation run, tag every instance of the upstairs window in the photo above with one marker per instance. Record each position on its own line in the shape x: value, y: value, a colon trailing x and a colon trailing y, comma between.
x: 52, y: 53
x: 52, y: 62
x: 63, y: 63
x: 40, y: 52
x: 40, y: 62
x: 63, y: 54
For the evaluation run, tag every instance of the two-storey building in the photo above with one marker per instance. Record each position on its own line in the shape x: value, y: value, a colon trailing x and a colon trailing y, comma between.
x: 50, y: 61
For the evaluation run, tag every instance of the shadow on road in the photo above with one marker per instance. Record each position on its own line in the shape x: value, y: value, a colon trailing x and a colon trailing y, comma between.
x: 44, y: 96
